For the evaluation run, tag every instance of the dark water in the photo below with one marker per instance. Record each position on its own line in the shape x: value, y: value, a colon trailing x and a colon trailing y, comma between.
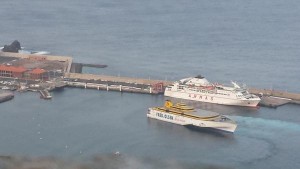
x: 255, y: 42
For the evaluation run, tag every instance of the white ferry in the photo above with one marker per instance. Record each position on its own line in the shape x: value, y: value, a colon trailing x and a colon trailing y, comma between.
x: 188, y: 116
x: 199, y: 89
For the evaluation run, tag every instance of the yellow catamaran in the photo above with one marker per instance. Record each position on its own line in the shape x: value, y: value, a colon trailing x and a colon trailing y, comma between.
x: 188, y: 116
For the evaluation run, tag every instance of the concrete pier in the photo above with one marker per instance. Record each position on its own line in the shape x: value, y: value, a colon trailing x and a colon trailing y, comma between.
x: 128, y: 80
x: 275, y: 98
x: 275, y: 93
x: 111, y: 87
x: 271, y: 101
x: 114, y: 83
x: 77, y: 67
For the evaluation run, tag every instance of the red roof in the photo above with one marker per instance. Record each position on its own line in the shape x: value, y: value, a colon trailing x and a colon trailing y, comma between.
x: 37, y: 71
x: 12, y: 68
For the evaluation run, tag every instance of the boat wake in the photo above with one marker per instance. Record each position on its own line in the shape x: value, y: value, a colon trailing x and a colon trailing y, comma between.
x: 26, y: 51
x: 261, y: 124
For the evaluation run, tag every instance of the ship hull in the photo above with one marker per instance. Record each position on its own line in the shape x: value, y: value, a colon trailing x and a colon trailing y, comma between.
x: 5, y: 97
x: 209, y: 98
x: 185, y: 121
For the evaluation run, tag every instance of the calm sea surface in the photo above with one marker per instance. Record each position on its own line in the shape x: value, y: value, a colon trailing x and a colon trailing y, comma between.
x: 253, y: 42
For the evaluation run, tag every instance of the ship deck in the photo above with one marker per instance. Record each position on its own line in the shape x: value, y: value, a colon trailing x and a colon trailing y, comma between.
x: 198, y: 113
x: 203, y: 113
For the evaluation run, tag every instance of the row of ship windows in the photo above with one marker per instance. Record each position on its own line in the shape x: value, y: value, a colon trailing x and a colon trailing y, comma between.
x: 203, y: 91
x: 200, y: 97
x: 210, y: 92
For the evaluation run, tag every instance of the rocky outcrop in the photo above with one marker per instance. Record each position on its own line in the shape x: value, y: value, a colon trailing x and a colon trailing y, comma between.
x: 15, y: 46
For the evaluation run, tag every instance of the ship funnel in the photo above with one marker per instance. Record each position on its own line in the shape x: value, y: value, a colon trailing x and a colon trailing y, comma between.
x: 168, y: 104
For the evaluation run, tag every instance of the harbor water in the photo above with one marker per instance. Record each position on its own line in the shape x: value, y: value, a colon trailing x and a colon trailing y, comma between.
x: 255, y: 42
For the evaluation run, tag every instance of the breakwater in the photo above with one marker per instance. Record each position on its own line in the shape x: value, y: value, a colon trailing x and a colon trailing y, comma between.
x: 77, y: 67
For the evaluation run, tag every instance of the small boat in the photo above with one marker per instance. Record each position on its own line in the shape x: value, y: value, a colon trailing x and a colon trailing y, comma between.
x: 188, y: 116
x: 5, y: 96
x: 5, y: 88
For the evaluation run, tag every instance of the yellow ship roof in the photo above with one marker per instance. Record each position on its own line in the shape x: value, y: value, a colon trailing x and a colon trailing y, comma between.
x: 183, y: 109
x: 203, y: 113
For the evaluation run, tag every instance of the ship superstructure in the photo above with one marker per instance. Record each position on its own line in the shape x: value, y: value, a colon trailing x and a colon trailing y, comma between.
x: 200, y: 89
x: 188, y: 116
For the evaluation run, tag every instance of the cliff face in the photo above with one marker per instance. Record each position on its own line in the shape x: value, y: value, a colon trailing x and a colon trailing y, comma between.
x: 14, y: 47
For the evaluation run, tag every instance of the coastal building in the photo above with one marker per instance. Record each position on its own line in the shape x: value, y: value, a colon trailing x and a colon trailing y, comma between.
x: 21, y: 72
x: 12, y: 71
x: 37, y: 73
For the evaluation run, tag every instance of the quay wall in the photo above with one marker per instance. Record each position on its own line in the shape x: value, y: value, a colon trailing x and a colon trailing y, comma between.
x: 276, y: 93
x: 120, y: 88
x: 116, y: 79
